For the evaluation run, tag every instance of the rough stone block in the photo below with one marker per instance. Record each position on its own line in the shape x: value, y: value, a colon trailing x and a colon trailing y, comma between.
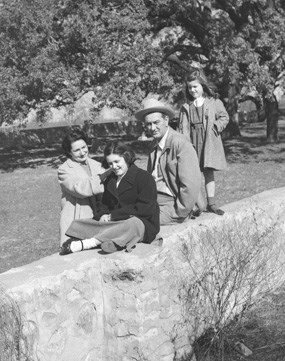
x: 149, y: 304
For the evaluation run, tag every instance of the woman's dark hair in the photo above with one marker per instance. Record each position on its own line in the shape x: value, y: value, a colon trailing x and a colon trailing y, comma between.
x: 208, y: 87
x: 120, y: 149
x: 72, y: 136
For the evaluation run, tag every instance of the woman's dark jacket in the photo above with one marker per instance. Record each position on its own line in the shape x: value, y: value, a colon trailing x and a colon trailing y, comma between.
x: 136, y: 196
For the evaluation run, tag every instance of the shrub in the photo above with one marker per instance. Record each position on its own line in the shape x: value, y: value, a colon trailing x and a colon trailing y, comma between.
x: 13, y: 343
x: 227, y: 272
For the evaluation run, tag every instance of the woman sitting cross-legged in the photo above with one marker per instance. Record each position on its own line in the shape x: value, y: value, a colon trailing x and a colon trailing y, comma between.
x: 129, y: 212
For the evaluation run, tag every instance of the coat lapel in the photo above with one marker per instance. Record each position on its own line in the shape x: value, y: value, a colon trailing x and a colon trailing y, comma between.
x: 128, y: 180
x: 164, y: 153
x: 77, y: 167
x: 126, y: 183
x: 92, y: 170
x: 206, y: 112
x: 111, y: 185
x: 152, y: 156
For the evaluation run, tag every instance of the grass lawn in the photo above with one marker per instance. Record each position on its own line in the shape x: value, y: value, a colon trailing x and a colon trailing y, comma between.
x: 30, y: 197
x: 30, y: 207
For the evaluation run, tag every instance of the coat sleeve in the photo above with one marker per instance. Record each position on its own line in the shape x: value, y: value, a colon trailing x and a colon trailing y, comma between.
x: 77, y: 186
x: 221, y: 116
x: 189, y: 179
x: 104, y: 206
x: 144, y: 203
x: 184, y: 122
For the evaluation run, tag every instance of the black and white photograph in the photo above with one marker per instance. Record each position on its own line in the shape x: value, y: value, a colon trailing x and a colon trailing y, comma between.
x: 142, y: 168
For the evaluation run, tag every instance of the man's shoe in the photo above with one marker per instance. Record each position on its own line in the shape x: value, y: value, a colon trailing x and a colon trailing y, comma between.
x: 214, y: 209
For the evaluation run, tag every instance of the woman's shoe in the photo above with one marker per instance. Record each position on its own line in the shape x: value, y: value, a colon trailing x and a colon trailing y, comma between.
x: 157, y: 242
x: 110, y: 247
x: 66, y: 246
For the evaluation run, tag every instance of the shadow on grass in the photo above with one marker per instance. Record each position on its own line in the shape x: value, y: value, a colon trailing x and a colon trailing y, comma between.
x: 254, y: 148
x: 12, y: 159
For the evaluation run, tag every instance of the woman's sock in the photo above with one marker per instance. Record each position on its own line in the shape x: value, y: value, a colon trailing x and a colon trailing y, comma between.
x: 76, y: 246
x: 88, y: 243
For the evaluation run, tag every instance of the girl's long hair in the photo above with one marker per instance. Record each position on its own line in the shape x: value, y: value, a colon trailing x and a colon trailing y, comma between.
x: 208, y: 87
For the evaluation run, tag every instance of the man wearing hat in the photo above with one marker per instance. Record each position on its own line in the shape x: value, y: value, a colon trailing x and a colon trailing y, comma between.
x: 172, y: 162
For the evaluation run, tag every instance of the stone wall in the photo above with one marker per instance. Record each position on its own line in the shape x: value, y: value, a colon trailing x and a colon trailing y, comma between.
x: 134, y: 306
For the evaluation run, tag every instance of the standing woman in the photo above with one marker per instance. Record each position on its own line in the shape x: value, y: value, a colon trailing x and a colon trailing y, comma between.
x: 129, y: 212
x: 202, y: 119
x: 79, y: 180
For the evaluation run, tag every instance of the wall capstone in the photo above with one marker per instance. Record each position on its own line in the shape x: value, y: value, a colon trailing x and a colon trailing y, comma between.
x: 130, y: 306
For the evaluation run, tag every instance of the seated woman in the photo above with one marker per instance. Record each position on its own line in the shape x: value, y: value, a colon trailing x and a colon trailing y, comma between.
x: 129, y: 212
x: 79, y: 180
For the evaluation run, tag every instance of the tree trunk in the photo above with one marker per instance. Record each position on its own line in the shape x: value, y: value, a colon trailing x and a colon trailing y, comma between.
x: 232, y: 129
x: 260, y: 112
x: 271, y: 113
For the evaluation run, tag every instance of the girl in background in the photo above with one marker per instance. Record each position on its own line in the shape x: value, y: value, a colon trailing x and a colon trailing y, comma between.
x: 202, y: 119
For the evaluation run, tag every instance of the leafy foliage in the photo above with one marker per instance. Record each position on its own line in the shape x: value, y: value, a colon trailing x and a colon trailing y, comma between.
x: 53, y: 51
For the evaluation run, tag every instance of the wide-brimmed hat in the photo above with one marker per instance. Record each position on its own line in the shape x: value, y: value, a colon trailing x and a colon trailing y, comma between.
x: 152, y: 105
